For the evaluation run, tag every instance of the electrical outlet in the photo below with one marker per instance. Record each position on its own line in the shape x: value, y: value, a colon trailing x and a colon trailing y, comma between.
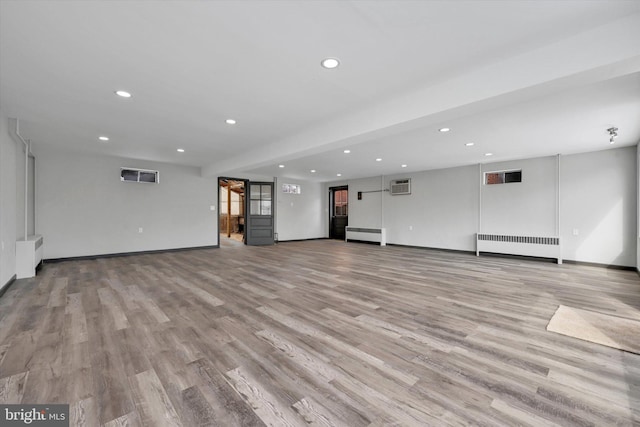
x: 212, y: 208
x: 576, y: 232
x: 139, y: 229
x: 411, y: 228
x: 3, y: 245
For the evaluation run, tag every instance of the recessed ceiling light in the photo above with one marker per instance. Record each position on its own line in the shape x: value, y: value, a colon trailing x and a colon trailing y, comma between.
x: 123, y: 93
x: 469, y: 144
x: 230, y: 122
x: 403, y: 166
x: 313, y: 171
x: 103, y: 138
x: 180, y: 150
x: 346, y: 151
x: 488, y: 154
x: 338, y: 174
x: 330, y: 63
x: 378, y: 159
x: 444, y: 129
x: 280, y: 166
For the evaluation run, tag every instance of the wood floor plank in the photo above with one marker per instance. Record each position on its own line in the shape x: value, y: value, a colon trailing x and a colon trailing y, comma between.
x: 196, y: 410
x: 76, y: 319
x: 199, y: 293
x: 22, y: 347
x: 314, y: 413
x: 112, y: 305
x: 127, y: 420
x: 229, y: 408
x: 12, y: 388
x: 152, y: 402
x: 111, y: 389
x: 270, y: 410
x: 84, y: 413
x: 317, y: 333
x: 523, y: 416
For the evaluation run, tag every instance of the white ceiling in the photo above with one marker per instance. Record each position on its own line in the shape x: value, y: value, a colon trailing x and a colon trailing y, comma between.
x: 517, y: 78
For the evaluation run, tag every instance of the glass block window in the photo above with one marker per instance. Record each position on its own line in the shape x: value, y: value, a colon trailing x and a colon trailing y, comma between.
x: 291, y: 188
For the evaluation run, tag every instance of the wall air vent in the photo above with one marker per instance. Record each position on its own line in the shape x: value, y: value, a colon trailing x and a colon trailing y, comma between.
x: 400, y: 186
x: 139, y: 175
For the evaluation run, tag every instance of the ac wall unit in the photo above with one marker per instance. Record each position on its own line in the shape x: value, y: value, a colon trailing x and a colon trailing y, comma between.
x: 400, y: 186
x: 139, y: 175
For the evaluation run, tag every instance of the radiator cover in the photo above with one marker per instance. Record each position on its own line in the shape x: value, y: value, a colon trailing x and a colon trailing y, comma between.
x: 377, y: 235
x: 537, y: 246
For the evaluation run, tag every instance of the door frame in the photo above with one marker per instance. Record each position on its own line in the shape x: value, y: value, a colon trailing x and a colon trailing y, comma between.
x: 331, y: 206
x: 244, y: 207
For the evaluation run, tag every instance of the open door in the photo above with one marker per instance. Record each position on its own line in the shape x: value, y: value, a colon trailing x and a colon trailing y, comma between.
x: 259, y: 227
x: 339, y: 218
x: 231, y: 214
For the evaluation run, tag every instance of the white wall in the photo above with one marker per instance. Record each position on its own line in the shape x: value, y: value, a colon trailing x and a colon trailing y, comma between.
x: 526, y: 208
x: 599, y: 201
x: 638, y: 208
x: 8, y: 182
x: 83, y: 209
x: 367, y: 212
x: 599, y: 198
x: 300, y: 216
x: 442, y: 209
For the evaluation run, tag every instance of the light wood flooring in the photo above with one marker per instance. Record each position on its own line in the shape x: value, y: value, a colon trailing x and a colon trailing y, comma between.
x: 321, y: 333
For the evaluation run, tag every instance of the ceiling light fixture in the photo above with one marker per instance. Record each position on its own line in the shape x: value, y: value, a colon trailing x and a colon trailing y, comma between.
x: 123, y: 93
x: 313, y: 171
x: 280, y: 166
x: 613, y: 133
x: 338, y: 174
x: 403, y: 166
x: 346, y: 151
x: 180, y: 150
x: 488, y: 154
x: 330, y: 63
x: 378, y: 159
x: 230, y: 122
x: 469, y: 144
x: 444, y: 129
x: 103, y: 138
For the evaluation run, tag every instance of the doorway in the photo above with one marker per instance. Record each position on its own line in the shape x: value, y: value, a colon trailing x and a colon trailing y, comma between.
x: 232, y: 211
x: 339, y: 211
x: 246, y: 212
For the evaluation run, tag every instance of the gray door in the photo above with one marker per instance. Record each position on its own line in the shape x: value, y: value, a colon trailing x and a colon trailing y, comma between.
x: 259, y: 227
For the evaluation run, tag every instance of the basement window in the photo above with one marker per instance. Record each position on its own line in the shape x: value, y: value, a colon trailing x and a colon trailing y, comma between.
x: 291, y: 188
x: 503, y: 177
x: 139, y: 175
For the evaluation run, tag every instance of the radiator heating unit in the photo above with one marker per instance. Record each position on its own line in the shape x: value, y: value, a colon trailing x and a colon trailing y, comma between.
x: 375, y: 235
x: 536, y: 246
